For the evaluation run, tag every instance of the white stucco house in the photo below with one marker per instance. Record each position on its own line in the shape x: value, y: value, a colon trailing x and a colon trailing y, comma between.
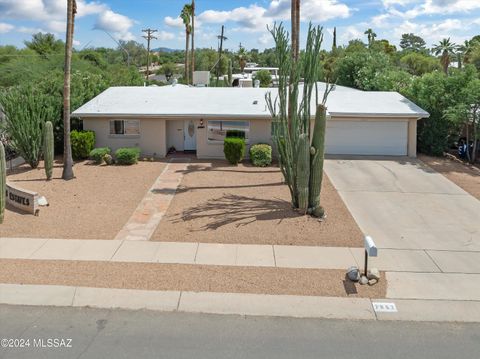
x: 156, y: 119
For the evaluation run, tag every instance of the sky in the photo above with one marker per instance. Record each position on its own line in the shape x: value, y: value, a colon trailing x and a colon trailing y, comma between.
x: 245, y: 21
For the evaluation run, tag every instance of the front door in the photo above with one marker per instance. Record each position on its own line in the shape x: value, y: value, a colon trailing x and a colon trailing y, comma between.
x: 189, y: 136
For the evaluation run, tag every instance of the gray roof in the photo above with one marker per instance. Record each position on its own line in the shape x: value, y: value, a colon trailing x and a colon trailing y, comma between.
x: 184, y: 101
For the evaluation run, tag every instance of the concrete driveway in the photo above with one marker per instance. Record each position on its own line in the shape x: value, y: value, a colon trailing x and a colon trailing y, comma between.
x: 404, y: 204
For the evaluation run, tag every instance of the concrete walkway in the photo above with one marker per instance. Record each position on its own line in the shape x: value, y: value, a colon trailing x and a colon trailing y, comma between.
x: 154, y: 205
x: 391, y: 260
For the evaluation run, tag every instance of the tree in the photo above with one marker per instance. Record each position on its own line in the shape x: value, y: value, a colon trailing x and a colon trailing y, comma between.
x: 295, y: 33
x: 371, y: 36
x: 193, y: 38
x: 186, y: 16
x: 242, y: 58
x: 300, y: 148
x: 446, y: 49
x: 412, y: 42
x: 67, y: 173
x: 419, y: 64
x: 44, y: 44
x: 26, y: 111
x: 264, y: 76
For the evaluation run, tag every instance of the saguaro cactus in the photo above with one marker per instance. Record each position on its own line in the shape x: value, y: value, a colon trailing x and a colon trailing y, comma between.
x: 3, y: 181
x: 48, y: 148
x: 317, y: 152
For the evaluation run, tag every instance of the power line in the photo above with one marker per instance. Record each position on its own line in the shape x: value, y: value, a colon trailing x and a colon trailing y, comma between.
x: 149, y: 36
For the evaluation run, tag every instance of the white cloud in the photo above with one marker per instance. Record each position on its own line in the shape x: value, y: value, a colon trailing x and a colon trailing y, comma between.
x: 349, y: 33
x: 52, y: 15
x: 117, y: 24
x: 429, y: 7
x: 4, y: 27
x: 164, y: 35
x: 265, y: 39
x: 173, y: 22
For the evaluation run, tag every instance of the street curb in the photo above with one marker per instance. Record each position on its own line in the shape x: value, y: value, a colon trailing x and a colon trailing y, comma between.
x: 239, y: 303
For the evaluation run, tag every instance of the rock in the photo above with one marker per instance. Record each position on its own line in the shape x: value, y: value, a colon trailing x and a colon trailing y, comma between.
x: 42, y: 201
x: 363, y: 280
x: 353, y: 274
x: 372, y: 281
x: 373, y: 273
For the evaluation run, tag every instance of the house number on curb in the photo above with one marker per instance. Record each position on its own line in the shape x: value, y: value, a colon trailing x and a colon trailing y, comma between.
x: 384, y: 307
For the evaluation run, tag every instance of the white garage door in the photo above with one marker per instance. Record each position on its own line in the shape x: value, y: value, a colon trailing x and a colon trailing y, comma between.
x: 367, y: 138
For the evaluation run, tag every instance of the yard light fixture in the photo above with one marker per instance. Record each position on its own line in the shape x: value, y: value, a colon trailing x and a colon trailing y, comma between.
x: 370, y: 250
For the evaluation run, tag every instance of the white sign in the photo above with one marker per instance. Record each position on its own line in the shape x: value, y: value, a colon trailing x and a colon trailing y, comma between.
x: 22, y: 199
x: 384, y: 307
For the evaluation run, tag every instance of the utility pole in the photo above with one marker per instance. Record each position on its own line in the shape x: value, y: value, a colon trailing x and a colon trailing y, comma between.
x: 193, y: 40
x: 149, y: 36
x: 220, y: 49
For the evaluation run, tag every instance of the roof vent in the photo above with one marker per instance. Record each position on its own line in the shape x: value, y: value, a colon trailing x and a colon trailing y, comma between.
x: 255, y: 102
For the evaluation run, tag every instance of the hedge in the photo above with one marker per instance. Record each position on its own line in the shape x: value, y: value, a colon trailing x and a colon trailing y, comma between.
x: 234, y: 149
x: 97, y: 154
x: 127, y: 155
x: 235, y: 133
x: 261, y: 155
x: 83, y: 143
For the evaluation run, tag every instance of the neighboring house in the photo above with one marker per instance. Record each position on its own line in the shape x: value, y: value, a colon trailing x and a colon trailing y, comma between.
x: 196, y: 119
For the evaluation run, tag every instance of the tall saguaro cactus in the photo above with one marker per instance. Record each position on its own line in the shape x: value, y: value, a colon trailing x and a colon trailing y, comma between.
x: 3, y: 181
x: 48, y: 149
x: 300, y: 149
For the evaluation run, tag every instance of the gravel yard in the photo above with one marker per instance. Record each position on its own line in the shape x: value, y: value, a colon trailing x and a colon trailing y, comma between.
x: 94, y: 205
x: 220, y: 203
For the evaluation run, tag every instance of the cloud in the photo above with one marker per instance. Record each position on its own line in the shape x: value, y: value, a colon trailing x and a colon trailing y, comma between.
x: 173, y: 22
x: 429, y: 7
x: 256, y: 18
x: 164, y: 35
x: 117, y: 24
x: 4, y: 27
x: 51, y: 14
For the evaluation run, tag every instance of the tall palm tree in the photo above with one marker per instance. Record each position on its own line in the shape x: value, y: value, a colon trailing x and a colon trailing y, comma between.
x: 371, y: 36
x: 446, y: 48
x: 186, y: 16
x: 295, y: 20
x: 464, y: 51
x: 242, y: 58
x: 67, y: 148
x: 193, y: 39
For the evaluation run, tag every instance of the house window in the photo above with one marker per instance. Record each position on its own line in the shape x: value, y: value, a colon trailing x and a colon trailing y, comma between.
x: 217, y: 130
x: 125, y: 127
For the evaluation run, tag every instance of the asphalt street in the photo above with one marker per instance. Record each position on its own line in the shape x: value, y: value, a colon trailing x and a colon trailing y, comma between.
x: 54, y: 332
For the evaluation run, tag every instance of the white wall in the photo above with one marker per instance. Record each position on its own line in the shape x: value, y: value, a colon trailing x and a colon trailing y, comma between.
x: 151, y: 141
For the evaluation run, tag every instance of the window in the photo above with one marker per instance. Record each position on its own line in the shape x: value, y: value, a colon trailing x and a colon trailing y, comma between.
x: 125, y: 127
x: 217, y: 130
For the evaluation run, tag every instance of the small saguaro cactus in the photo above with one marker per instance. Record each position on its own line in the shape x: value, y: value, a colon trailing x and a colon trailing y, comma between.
x: 48, y: 148
x: 3, y: 181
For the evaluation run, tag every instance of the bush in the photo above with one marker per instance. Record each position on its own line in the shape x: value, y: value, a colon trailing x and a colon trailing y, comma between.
x: 264, y: 77
x: 234, y: 149
x: 83, y: 143
x: 127, y: 155
x: 261, y: 155
x: 235, y: 133
x: 98, y: 154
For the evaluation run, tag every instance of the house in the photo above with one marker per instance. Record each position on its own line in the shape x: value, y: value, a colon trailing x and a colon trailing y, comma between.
x: 156, y: 119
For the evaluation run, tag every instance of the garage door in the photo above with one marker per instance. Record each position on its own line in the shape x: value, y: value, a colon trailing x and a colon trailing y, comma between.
x: 367, y: 138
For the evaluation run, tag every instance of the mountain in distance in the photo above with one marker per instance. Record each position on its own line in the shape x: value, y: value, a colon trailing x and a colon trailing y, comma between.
x: 164, y: 49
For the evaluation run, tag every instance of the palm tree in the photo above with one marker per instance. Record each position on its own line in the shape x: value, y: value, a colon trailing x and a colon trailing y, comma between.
x: 446, y: 49
x: 186, y: 16
x: 295, y: 20
x: 193, y: 38
x: 67, y: 148
x: 464, y: 52
x: 371, y: 36
x: 242, y: 58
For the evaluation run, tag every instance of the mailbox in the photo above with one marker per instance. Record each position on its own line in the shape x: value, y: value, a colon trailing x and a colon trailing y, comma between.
x: 370, y: 246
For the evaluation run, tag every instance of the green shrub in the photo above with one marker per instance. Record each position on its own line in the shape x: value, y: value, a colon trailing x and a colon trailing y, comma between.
x: 261, y: 155
x: 127, y: 155
x: 235, y: 133
x: 83, y: 143
x: 234, y: 149
x: 97, y: 154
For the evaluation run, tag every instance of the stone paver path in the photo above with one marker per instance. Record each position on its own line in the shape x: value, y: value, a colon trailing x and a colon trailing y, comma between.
x: 154, y: 205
